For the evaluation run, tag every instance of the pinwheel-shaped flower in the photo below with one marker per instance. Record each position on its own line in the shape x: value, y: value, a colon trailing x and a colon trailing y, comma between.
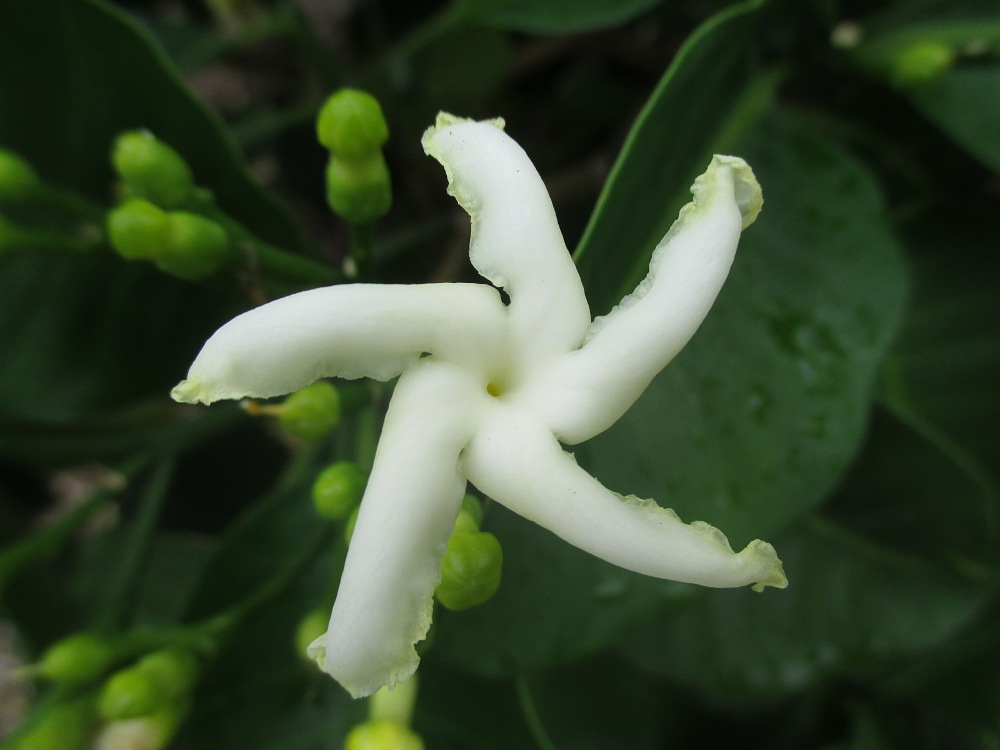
x: 488, y: 391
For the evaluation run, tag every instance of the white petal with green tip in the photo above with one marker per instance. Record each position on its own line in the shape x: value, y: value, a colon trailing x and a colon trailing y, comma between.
x: 516, y: 242
x: 514, y: 459
x: 348, y: 331
x: 393, y: 565
x: 587, y: 391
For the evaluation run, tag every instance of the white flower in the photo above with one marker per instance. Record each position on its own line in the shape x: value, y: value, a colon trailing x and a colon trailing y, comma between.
x: 488, y: 391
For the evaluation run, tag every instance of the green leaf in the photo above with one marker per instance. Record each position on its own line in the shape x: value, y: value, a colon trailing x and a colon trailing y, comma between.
x: 709, y: 94
x: 965, y: 104
x: 748, y: 429
x: 914, y: 495
x: 943, y: 370
x: 551, y: 16
x: 852, y: 609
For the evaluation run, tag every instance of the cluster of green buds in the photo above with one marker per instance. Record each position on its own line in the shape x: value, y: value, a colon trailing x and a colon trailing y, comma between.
x: 388, y: 725
x: 139, y: 706
x: 157, y: 682
x: 471, y: 568
x: 352, y: 127
x: 310, y: 413
x: 148, y: 225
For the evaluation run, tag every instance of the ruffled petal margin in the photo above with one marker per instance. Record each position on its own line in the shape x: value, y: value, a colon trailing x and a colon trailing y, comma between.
x: 516, y: 242
x: 385, y: 601
x: 515, y: 460
x: 586, y: 391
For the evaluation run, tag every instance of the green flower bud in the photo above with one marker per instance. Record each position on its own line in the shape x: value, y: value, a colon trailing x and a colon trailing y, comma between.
x: 151, y: 169
x: 129, y: 694
x: 76, y: 659
x: 351, y: 124
x: 394, y: 704
x: 352, y: 521
x: 311, y: 413
x: 921, y: 63
x: 138, y: 230
x: 196, y: 247
x: 358, y: 188
x: 383, y: 735
x: 174, y: 670
x: 470, y: 515
x: 66, y: 726
x: 18, y: 179
x: 470, y: 571
x: 338, y: 490
x: 311, y: 627
x: 151, y: 732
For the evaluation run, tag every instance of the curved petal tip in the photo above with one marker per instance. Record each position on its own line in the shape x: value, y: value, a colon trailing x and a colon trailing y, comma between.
x: 761, y: 556
x: 746, y: 189
x: 188, y: 392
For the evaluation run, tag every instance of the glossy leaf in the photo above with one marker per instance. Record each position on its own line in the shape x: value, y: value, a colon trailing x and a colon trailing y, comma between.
x: 855, y: 608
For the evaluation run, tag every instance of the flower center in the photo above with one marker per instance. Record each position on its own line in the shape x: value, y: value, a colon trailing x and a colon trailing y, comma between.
x: 494, y: 389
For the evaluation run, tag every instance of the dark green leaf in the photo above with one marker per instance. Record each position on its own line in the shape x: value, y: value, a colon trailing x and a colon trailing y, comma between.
x: 852, y: 608
x: 709, y: 94
x: 551, y: 16
x: 965, y: 104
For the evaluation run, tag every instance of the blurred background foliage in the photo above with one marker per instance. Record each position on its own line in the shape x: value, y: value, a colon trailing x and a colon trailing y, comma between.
x: 841, y: 400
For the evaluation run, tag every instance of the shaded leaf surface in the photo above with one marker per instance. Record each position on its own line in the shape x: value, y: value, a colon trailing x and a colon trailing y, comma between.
x: 552, y: 16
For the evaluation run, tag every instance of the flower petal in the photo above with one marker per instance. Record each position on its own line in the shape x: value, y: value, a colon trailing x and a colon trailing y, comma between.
x: 348, y: 331
x: 407, y: 514
x: 516, y: 461
x: 586, y: 391
x: 516, y: 242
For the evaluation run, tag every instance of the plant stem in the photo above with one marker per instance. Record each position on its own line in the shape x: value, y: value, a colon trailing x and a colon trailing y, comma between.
x: 120, y: 591
x: 531, y: 717
x: 49, y: 540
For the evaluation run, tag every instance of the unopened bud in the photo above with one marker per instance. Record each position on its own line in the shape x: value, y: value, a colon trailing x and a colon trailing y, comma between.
x: 196, y: 247
x: 383, y: 735
x: 18, y: 179
x: 76, y: 659
x: 338, y: 490
x: 394, y: 704
x: 351, y: 124
x: 129, y: 694
x: 470, y: 515
x: 174, y: 670
x: 151, y: 169
x: 358, y: 189
x: 312, y: 412
x: 66, y: 726
x: 470, y: 570
x: 138, y: 230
